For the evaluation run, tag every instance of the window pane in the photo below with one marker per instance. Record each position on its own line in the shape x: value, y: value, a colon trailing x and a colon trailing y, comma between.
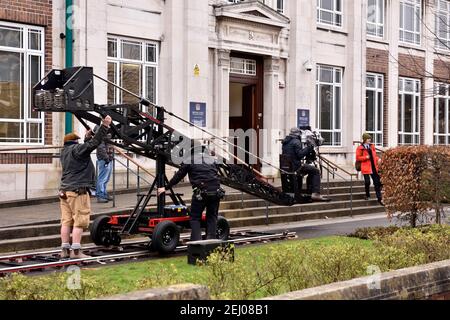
x: 326, y: 75
x: 131, y: 50
x: 112, y: 76
x: 131, y: 80
x: 34, y: 39
x: 409, y: 18
x: 11, y: 37
x: 34, y: 133
x: 337, y: 138
x: 151, y: 53
x: 327, y: 4
x: 326, y: 106
x: 112, y: 48
x: 11, y: 85
x: 11, y: 132
x: 372, y: 11
x: 327, y: 136
x: 380, y: 112
x: 370, y: 121
x: 35, y: 77
x: 441, y: 116
x: 151, y: 84
x: 408, y: 113
x: 337, y: 109
x: 326, y: 17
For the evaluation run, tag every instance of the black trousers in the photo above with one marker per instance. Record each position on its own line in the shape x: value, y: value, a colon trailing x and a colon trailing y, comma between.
x: 376, y: 182
x: 211, y: 203
x: 313, y: 179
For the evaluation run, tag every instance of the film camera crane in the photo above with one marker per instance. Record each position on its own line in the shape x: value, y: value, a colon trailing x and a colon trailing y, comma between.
x: 146, y: 134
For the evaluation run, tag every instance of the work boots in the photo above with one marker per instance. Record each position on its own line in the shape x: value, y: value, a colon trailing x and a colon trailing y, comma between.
x: 78, y: 254
x: 65, y: 253
x: 317, y: 197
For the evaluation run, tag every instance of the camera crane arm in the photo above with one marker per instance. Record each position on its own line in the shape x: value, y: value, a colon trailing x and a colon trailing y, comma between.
x: 143, y: 133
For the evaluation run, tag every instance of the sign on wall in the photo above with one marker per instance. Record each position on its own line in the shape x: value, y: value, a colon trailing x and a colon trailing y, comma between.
x: 303, y: 118
x: 197, y: 113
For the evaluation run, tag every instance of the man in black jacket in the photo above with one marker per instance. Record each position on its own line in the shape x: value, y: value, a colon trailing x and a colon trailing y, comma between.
x: 293, y: 148
x: 105, y: 157
x: 204, y: 178
x: 78, y: 177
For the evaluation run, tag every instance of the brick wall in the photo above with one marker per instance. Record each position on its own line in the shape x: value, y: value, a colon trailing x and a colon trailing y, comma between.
x: 33, y: 12
x: 441, y: 71
x: 414, y: 67
x: 378, y: 62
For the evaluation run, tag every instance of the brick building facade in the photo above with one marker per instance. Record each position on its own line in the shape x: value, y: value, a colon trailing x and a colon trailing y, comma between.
x: 18, y: 16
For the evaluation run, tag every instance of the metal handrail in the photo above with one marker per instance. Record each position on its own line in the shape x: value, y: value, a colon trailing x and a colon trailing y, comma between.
x: 337, y: 167
x: 376, y: 148
x: 29, y: 148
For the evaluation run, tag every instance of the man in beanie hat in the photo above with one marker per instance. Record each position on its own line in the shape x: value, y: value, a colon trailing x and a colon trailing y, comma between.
x: 367, y: 156
x: 293, y: 148
x: 78, y: 177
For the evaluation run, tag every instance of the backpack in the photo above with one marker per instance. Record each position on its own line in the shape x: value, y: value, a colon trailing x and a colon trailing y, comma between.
x: 358, y: 166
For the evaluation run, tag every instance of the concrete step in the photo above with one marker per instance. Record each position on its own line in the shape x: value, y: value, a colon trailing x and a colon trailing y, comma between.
x: 302, y: 216
x: 230, y: 207
x: 53, y: 241
x: 310, y: 207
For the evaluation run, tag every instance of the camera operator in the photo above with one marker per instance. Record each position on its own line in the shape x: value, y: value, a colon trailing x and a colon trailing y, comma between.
x: 293, y: 148
x: 207, y: 193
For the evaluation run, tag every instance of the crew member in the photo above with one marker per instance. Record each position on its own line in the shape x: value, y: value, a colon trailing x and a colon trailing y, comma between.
x: 105, y: 157
x: 367, y: 155
x: 78, y: 177
x: 207, y: 193
x: 293, y: 148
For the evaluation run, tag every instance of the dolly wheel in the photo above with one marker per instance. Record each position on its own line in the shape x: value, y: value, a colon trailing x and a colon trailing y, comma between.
x: 165, y: 237
x: 223, y: 229
x: 100, y: 231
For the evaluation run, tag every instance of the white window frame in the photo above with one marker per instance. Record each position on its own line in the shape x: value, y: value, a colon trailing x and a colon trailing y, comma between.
x: 378, y: 123
x: 281, y: 5
x: 443, y: 8
x: 446, y: 97
x: 415, y: 134
x: 335, y: 84
x: 417, y: 32
x: 378, y: 12
x: 245, y: 70
x: 118, y: 94
x: 25, y: 95
x: 335, y: 13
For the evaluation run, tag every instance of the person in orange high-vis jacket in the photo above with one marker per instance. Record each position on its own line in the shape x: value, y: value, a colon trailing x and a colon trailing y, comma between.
x: 367, y: 155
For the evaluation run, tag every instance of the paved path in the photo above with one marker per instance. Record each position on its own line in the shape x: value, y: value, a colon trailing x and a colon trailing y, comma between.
x: 45, y: 212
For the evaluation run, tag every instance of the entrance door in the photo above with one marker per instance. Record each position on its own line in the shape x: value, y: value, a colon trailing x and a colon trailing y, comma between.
x: 246, y: 108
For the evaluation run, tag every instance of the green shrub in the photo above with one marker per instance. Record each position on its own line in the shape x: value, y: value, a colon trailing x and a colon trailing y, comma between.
x: 432, y: 242
x: 53, y: 287
x: 373, y: 233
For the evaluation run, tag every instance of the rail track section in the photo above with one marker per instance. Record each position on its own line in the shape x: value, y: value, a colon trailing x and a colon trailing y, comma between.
x: 132, y: 250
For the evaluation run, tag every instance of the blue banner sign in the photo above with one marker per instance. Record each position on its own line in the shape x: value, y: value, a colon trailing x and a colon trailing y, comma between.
x: 197, y: 114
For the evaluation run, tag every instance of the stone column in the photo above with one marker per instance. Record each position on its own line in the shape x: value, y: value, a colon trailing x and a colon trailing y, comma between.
x: 222, y: 108
x: 273, y: 117
x: 393, y: 10
x: 429, y: 81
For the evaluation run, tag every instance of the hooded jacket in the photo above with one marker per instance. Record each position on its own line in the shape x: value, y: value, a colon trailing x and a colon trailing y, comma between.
x: 202, y: 174
x: 78, y: 171
x: 292, y: 147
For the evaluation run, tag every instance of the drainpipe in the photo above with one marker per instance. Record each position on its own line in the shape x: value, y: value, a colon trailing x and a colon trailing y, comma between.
x: 69, y: 54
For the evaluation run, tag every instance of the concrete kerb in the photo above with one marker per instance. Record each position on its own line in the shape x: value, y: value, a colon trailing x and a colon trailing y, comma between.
x: 416, y: 283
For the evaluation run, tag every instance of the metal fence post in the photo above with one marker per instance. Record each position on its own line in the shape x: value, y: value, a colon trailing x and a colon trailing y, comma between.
x: 26, y: 174
x: 351, y: 195
x: 267, y: 213
x: 114, y: 177
x: 128, y: 172
x: 138, y: 181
